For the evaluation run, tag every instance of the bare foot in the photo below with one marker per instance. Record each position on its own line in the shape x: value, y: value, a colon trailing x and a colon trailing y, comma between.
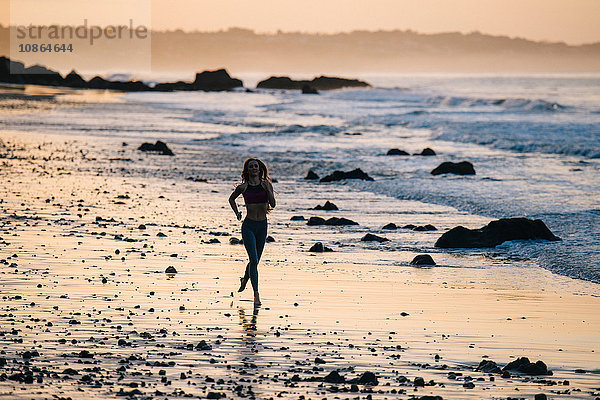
x: 257, y: 299
x: 243, y: 283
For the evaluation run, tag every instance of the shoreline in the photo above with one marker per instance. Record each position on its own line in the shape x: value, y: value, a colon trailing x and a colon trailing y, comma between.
x: 353, y: 296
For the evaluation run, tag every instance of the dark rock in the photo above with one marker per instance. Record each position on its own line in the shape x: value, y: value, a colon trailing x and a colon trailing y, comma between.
x: 142, y: 227
x: 369, y: 237
x: 129, y: 393
x: 422, y: 259
x: 307, y: 89
x: 319, y: 248
x: 424, y: 228
x: 160, y: 147
x: 368, y: 378
x: 298, y: 218
x: 173, y: 86
x: 214, y: 395
x: 203, y: 346
x: 495, y: 233
x: 469, y: 385
x: 334, y: 377
x: 419, y: 382
x: 270, y: 239
x: 391, y: 225
x: 316, y: 221
x: 335, y: 221
x: 320, y: 83
x: 409, y: 226
x: 428, y: 397
x: 215, y: 81
x: 523, y: 365
x: 489, y: 366
x: 506, y: 374
x: 319, y: 361
x: 426, y: 152
x: 234, y: 240
x: 461, y: 168
x: 540, y: 396
x: 128, y: 86
x: 171, y: 270
x: 340, y: 175
x: 85, y: 354
x: 328, y: 206
x: 316, y: 248
x: 397, y: 152
x: 70, y: 371
x: 311, y: 175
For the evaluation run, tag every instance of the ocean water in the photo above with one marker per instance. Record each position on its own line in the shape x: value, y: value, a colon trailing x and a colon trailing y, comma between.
x: 534, y: 142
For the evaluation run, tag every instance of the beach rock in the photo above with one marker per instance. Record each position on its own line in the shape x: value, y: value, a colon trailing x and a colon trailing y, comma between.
x: 469, y: 385
x: 307, y: 89
x: 319, y: 248
x: 495, y: 233
x: 368, y: 378
x: 316, y: 221
x: 320, y: 83
x: 397, y: 152
x: 461, y: 168
x: 270, y: 239
x: 426, y: 152
x: 215, y: 81
x: 369, y: 237
x: 202, y: 345
x: 409, y: 226
x: 160, y: 147
x: 391, y: 225
x: 334, y: 377
x: 319, y: 361
x: 170, y: 270
x: 422, y: 259
x: 523, y: 365
x: 540, y: 396
x: 335, y: 221
x: 328, y: 206
x: 489, y: 366
x: 428, y: 397
x: 234, y: 240
x: 419, y: 382
x: 214, y: 395
x: 340, y: 175
x: 424, y: 228
x: 311, y: 175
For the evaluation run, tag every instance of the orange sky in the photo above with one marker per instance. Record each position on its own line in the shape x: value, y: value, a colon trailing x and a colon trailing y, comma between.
x: 572, y: 21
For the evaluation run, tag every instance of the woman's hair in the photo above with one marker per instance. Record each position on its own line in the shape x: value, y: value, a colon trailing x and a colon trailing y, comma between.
x: 263, y: 171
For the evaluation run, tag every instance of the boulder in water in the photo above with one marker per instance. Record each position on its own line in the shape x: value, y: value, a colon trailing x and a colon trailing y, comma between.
x: 461, y: 168
x: 495, y: 233
x: 423, y: 259
x: 340, y: 175
x: 397, y: 152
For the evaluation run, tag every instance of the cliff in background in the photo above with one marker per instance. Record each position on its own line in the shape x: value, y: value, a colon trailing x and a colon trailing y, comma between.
x: 242, y: 50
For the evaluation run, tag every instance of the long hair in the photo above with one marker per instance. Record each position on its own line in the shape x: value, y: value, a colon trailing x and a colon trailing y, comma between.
x: 263, y: 171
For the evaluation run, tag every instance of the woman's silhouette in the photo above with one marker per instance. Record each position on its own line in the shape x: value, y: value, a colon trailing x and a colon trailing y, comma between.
x: 257, y: 190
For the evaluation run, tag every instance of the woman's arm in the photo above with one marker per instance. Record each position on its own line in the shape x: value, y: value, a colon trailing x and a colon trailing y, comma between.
x: 269, y: 188
x: 238, y: 190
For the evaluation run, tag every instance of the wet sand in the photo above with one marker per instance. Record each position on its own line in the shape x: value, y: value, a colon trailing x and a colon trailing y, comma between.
x: 89, y: 227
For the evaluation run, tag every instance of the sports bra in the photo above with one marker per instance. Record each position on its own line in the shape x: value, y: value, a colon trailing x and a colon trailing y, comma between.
x: 255, y: 194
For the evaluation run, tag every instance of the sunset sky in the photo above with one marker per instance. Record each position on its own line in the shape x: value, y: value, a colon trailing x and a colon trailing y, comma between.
x: 571, y: 21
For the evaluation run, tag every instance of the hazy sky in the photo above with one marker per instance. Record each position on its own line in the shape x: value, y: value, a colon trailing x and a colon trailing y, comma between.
x: 572, y: 21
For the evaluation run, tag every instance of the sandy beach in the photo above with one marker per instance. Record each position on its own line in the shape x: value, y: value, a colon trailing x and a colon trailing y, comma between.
x: 89, y: 226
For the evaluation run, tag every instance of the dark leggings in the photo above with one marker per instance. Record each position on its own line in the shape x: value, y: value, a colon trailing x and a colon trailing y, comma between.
x: 254, y: 234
